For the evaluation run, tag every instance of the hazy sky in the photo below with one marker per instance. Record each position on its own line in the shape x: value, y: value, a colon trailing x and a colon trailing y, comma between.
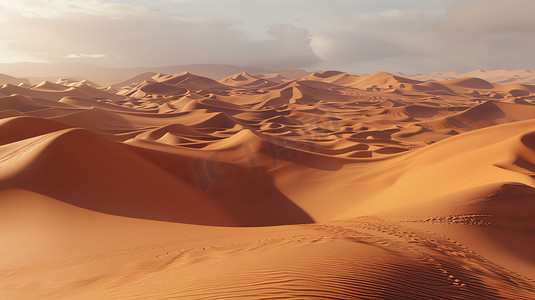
x: 358, y: 36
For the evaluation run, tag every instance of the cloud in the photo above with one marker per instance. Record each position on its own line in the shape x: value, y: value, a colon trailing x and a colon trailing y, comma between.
x: 67, y: 8
x: 491, y: 16
x: 359, y: 36
x: 134, y: 35
x: 368, y: 38
x: 85, y: 55
x: 9, y: 56
x: 424, y: 40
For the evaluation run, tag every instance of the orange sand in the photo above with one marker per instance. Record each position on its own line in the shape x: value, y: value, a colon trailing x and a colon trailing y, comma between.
x: 329, y: 186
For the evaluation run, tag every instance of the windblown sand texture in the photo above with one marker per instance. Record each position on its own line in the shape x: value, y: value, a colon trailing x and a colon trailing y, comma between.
x: 330, y: 186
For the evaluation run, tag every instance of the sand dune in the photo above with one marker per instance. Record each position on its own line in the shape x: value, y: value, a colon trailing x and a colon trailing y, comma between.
x: 330, y: 185
x: 244, y: 79
x: 49, y: 86
x: 190, y: 81
x: 495, y: 76
x: 272, y: 77
x: 13, y: 80
x: 136, y: 79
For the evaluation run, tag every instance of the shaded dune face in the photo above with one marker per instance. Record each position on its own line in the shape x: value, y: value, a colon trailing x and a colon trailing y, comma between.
x: 83, y: 169
x: 331, y: 186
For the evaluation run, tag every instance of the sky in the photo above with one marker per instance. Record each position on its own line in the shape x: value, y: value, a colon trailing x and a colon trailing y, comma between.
x: 356, y: 36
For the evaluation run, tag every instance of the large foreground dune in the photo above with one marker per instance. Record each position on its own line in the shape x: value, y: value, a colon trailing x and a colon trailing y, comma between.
x: 330, y: 186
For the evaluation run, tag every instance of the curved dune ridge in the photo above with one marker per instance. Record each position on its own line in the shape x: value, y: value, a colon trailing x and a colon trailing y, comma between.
x: 329, y: 186
x: 244, y: 79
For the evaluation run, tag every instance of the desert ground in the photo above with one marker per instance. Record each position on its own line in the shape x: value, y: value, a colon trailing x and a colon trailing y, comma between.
x: 328, y: 186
